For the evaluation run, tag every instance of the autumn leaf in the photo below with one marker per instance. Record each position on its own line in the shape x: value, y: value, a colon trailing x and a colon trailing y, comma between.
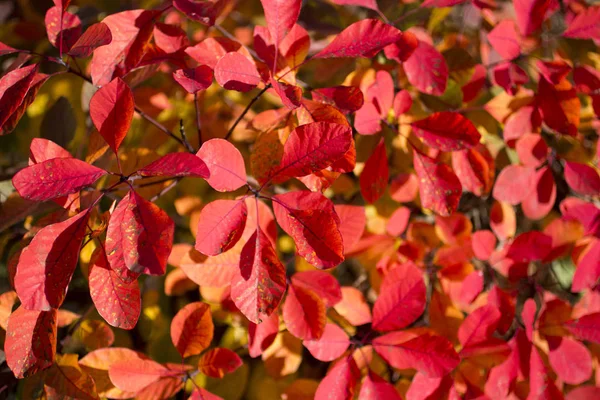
x: 192, y: 329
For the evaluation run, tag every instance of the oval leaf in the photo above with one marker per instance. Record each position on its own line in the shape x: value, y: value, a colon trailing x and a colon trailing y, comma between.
x: 192, y: 329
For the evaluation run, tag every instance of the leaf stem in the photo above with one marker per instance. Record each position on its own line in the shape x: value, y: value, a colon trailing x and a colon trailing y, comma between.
x: 198, y: 125
x: 239, y: 119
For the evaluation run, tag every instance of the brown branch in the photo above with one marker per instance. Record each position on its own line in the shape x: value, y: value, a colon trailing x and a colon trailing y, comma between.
x: 237, y: 121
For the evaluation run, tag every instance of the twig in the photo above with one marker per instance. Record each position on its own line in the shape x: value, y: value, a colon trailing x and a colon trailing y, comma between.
x: 166, y: 189
x: 164, y: 129
x: 237, y: 121
x: 198, y: 125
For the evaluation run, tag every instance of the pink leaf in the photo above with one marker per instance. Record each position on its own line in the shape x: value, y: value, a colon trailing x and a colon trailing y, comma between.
x: 220, y: 226
x: 585, y: 25
x: 176, y: 164
x: 531, y: 14
x: 570, y: 359
x: 202, y: 11
x: 281, y: 15
x: 63, y: 28
x: 236, y: 72
x: 225, y: 164
x: 540, y: 201
x: 364, y: 38
x: 331, y: 345
x: 479, y: 326
x: 375, y: 387
x: 55, y: 178
x: 586, y: 327
x: 371, y: 4
x: 340, y: 381
x: 261, y: 336
x: 504, y: 38
x: 13, y: 88
x: 322, y: 283
x: 514, y: 183
x: 588, y: 268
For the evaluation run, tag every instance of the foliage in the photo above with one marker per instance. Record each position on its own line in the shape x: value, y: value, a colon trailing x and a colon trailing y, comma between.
x: 300, y: 199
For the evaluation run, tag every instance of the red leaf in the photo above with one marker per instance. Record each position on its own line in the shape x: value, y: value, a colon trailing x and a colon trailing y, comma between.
x: 586, y: 327
x: 439, y: 186
x: 375, y: 387
x: 55, y: 178
x: 220, y: 226
x: 202, y: 11
x: 530, y: 246
x: 236, y: 72
x: 63, y: 28
x: 176, y: 164
x: 313, y: 147
x: 374, y: 177
x: 582, y: 178
x: 588, y: 268
x: 554, y: 71
x: 424, y: 387
x: 202, y: 394
x: 111, y: 110
x: 364, y: 38
x: 505, y: 39
x: 30, y: 343
x: 6, y: 49
x: 13, y: 88
x: 281, y: 15
x: 513, y: 184
x: 510, y: 77
x: 585, y: 25
x: 304, y: 313
x: 215, y: 271
x: 353, y: 307
x: 427, y: 70
x: 479, y: 326
x: 539, y: 202
x: 47, y: 264
x: 474, y: 169
x: 367, y: 120
x: 323, y: 284
x: 560, y: 106
x: 530, y: 14
x: 432, y: 355
x: 210, y: 50
x: 483, y: 243
x: 532, y: 149
x: 398, y: 221
x: 131, y: 32
x: 402, y: 298
x: 192, y: 329
x: 315, y: 230
x: 95, y: 36
x: 116, y: 301
x: 441, y: 3
x: 447, y: 131
x: 402, y: 103
x: 218, y: 362
x: 352, y: 224
x: 403, y: 48
x: 170, y: 38
x: 541, y: 385
x: 194, y: 80
x: 570, y: 359
x: 139, y: 237
x: 225, y: 164
x: 135, y: 374
x: 340, y: 382
x: 347, y: 98
x: 331, y: 345
x: 261, y: 336
x: 372, y: 4
x: 259, y: 287
x: 290, y: 95
x: 583, y: 392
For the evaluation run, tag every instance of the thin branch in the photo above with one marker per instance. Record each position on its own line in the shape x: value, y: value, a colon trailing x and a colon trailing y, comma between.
x: 164, y: 129
x: 237, y: 121
x: 166, y: 189
x: 198, y: 125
